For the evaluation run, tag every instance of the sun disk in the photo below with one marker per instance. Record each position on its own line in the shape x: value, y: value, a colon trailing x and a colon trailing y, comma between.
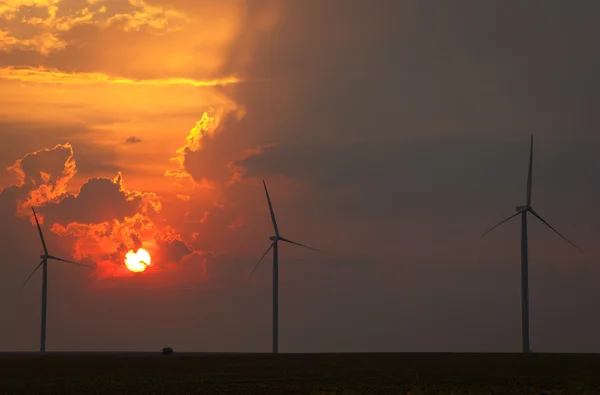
x: 137, y: 261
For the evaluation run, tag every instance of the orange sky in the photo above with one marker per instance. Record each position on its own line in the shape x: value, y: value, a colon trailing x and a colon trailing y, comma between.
x: 150, y: 99
x: 390, y: 133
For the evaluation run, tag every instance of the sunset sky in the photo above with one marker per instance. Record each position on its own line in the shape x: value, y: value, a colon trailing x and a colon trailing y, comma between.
x: 391, y: 133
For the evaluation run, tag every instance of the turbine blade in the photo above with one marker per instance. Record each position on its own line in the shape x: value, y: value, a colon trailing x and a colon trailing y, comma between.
x: 501, y: 222
x: 301, y: 245
x: 40, y: 230
x: 530, y: 173
x: 34, y: 270
x: 550, y: 226
x: 271, y: 210
x: 64, y: 260
x: 262, y: 257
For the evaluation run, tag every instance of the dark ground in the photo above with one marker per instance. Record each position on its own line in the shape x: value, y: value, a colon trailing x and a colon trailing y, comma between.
x: 310, y: 374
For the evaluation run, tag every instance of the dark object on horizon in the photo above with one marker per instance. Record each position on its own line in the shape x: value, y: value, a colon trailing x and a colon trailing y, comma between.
x: 167, y: 351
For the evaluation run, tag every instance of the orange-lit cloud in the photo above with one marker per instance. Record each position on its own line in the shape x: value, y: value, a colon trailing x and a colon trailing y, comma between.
x: 129, y: 220
x: 157, y: 112
x: 103, y: 220
x: 205, y: 128
x: 48, y: 182
x: 48, y: 76
x: 40, y: 24
x: 128, y: 79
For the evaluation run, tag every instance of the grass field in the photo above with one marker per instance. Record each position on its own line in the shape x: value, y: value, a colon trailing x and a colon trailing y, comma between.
x: 310, y: 374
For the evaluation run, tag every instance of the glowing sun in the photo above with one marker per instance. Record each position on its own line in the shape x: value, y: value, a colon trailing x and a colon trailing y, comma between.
x: 137, y: 261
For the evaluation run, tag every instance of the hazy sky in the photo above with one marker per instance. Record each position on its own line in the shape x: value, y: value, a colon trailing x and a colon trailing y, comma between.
x: 390, y: 133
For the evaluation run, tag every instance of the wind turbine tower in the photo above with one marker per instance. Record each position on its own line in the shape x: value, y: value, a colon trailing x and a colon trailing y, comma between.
x: 523, y: 211
x: 275, y: 246
x: 44, y: 265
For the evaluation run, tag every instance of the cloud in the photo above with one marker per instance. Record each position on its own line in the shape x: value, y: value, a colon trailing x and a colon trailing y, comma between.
x: 347, y: 110
x: 44, y: 175
x: 173, y: 249
x: 98, y: 117
x: 132, y: 140
x: 104, y: 199
x: 41, y: 26
x: 42, y: 75
x: 106, y: 219
x: 198, y: 138
x: 205, y: 127
x: 101, y: 222
x: 401, y: 178
x: 106, y: 243
x: 152, y: 39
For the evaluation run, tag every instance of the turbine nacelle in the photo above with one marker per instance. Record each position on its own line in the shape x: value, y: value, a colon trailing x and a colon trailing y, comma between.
x: 275, y: 239
x: 45, y: 256
x: 523, y: 208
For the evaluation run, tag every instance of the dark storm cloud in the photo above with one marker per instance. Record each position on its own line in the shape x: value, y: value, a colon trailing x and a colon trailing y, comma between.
x: 406, y: 105
x: 411, y: 122
x: 389, y: 178
x: 413, y: 68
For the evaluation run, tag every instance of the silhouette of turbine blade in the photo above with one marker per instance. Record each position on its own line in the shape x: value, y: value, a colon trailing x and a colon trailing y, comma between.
x: 40, y: 230
x: 261, y: 258
x: 271, y: 210
x: 530, y: 173
x: 550, y: 226
x: 32, y: 273
x: 301, y: 245
x: 64, y: 260
x: 501, y: 222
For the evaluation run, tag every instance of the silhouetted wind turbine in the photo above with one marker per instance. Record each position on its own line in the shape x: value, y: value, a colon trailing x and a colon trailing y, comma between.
x: 44, y: 264
x: 522, y: 211
x: 275, y: 239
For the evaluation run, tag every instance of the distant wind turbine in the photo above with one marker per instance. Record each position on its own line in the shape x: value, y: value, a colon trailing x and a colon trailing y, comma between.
x: 522, y: 211
x: 44, y: 264
x: 275, y: 239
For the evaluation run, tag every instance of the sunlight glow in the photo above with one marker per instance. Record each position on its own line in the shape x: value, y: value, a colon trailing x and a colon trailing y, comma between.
x: 137, y: 261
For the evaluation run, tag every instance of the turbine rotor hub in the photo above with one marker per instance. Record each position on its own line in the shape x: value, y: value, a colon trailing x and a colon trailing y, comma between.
x: 523, y: 208
x: 274, y: 238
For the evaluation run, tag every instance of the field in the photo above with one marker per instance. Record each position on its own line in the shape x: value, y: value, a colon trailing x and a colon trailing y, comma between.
x: 310, y: 374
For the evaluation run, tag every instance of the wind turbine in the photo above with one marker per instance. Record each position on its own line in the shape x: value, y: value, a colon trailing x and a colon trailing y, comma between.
x: 522, y: 211
x: 44, y: 265
x: 274, y: 245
